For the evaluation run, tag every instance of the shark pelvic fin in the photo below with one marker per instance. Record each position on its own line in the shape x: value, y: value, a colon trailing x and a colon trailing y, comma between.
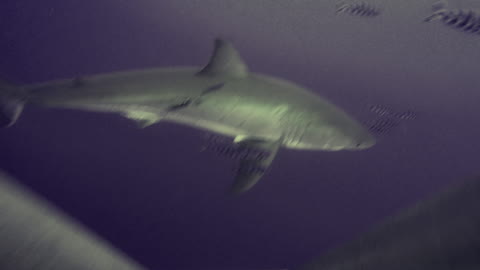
x: 225, y: 61
x: 12, y: 101
x: 143, y: 119
x: 252, y: 168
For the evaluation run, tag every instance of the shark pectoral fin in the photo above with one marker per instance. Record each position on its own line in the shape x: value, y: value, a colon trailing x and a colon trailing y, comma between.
x: 225, y: 61
x: 143, y: 123
x: 254, y: 166
x: 143, y: 119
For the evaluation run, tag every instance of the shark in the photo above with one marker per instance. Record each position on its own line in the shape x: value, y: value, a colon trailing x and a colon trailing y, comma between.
x: 223, y: 97
x: 439, y: 232
x: 37, y: 234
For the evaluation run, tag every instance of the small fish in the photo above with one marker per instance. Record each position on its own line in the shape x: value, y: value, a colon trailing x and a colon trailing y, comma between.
x: 384, y: 111
x: 251, y: 169
x: 359, y: 9
x: 460, y: 19
x: 388, y: 119
x: 383, y: 125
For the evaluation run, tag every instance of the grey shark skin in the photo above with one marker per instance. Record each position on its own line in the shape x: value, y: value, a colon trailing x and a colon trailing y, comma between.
x: 223, y: 97
x: 440, y: 233
x: 35, y: 235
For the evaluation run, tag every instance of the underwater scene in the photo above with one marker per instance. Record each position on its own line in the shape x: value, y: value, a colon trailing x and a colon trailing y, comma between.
x: 239, y: 135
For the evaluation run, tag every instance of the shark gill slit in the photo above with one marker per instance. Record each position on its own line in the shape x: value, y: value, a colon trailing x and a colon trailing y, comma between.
x: 289, y: 127
x: 228, y: 111
x: 297, y: 129
x: 303, y: 131
x: 284, y: 124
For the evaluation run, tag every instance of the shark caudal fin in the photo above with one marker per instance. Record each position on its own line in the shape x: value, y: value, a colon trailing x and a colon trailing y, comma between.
x: 12, y: 100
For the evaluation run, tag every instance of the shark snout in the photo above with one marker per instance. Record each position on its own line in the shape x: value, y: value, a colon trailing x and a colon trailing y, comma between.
x: 367, y: 141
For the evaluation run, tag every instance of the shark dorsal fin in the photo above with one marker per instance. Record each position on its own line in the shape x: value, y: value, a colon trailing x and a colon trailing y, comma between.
x: 225, y: 61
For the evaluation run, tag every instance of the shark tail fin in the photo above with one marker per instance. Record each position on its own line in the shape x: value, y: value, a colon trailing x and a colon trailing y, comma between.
x: 12, y: 101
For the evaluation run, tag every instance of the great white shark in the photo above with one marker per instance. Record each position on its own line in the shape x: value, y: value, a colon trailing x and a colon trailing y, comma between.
x: 223, y: 97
